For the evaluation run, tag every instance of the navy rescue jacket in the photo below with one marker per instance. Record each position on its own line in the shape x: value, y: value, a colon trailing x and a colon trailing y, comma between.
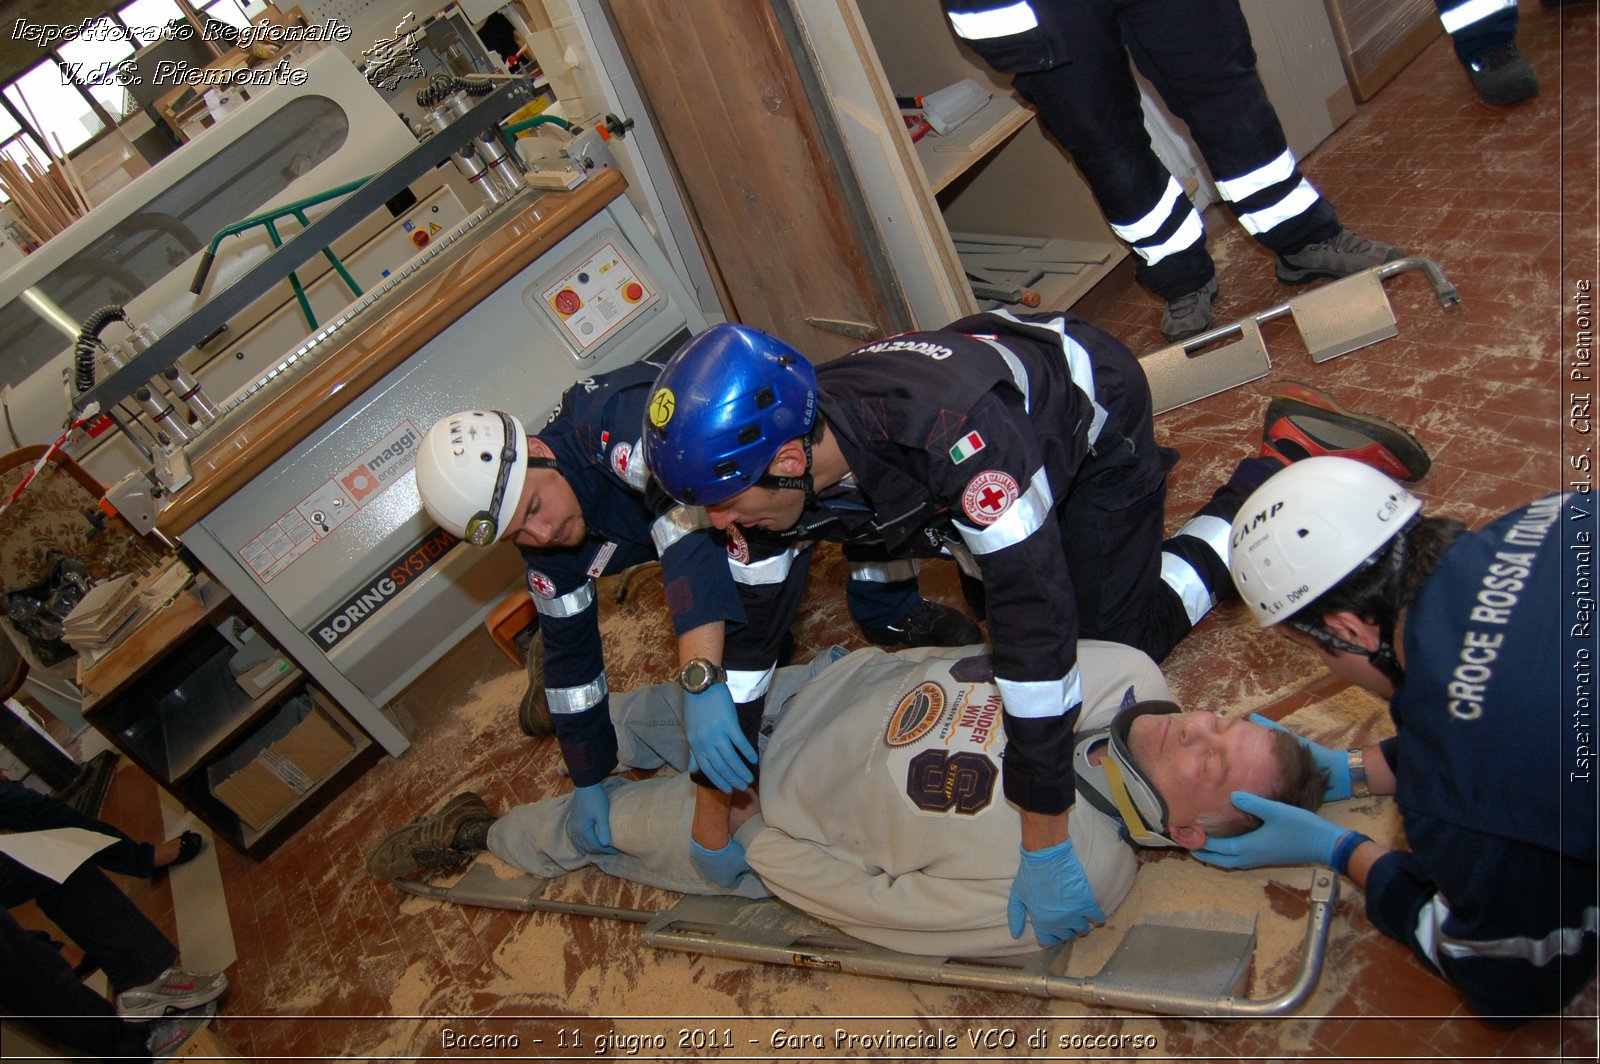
x: 965, y: 442
x: 1497, y: 892
x: 595, y: 435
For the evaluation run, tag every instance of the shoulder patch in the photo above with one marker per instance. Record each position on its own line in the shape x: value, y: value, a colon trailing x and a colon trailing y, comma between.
x: 738, y: 546
x: 988, y: 496
x: 966, y: 447
x: 541, y: 585
x: 621, y: 454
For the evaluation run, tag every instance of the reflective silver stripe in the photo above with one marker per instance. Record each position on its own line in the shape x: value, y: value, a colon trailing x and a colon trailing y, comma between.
x: 1472, y: 11
x: 1147, y: 226
x: 675, y: 524
x: 638, y: 474
x: 964, y: 559
x: 1563, y: 941
x: 1180, y: 576
x: 773, y: 570
x: 1299, y: 200
x: 748, y: 685
x: 577, y: 699
x: 1078, y: 365
x: 995, y: 22
x: 1014, y: 364
x: 1214, y: 532
x: 885, y: 572
x: 1036, y: 699
x: 1235, y: 189
x: 1024, y: 517
x: 569, y: 605
x: 1190, y: 233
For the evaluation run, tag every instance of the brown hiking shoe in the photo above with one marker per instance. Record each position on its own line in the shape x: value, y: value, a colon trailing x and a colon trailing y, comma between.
x: 429, y: 844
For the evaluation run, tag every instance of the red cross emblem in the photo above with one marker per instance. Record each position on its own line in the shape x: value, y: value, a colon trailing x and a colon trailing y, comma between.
x: 540, y: 584
x: 619, y: 459
x: 738, y: 547
x: 988, y: 495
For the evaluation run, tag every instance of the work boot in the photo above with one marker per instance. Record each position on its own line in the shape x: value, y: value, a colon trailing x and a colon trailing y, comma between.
x: 1303, y: 422
x: 534, y: 714
x: 1188, y: 315
x: 172, y: 990
x: 1345, y: 253
x: 1502, y: 77
x: 432, y: 844
x: 929, y: 625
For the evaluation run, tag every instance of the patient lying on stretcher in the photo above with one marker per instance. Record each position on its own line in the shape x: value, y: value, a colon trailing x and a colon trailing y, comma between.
x: 880, y: 807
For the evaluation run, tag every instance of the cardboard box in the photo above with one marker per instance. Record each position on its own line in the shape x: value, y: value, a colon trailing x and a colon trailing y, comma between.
x: 1377, y: 38
x: 1299, y: 63
x: 279, y: 775
x: 206, y: 1044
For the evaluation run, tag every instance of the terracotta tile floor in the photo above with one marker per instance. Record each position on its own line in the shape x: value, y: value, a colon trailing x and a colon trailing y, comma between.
x: 334, y: 965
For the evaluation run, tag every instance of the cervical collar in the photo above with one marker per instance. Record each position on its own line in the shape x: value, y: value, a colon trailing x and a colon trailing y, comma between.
x: 1115, y: 786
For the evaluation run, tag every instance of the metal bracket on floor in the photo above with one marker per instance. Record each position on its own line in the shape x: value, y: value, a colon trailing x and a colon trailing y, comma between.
x: 1169, y: 966
x: 1334, y: 319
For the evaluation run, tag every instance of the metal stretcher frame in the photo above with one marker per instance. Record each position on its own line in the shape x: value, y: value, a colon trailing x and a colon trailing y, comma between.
x: 1334, y: 319
x: 1170, y: 968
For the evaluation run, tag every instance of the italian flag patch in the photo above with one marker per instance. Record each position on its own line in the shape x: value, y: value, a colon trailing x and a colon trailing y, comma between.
x: 966, y: 447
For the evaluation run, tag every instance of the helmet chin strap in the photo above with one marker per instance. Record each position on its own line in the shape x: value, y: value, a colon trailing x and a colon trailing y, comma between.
x: 803, y: 482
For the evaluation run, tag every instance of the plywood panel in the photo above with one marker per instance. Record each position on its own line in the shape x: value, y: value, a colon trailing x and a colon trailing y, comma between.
x: 735, y: 116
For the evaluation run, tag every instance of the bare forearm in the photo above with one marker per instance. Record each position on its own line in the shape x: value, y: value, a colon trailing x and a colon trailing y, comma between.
x: 1043, y: 830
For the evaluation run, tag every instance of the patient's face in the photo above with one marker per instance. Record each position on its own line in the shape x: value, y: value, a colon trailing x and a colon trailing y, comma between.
x: 1196, y: 760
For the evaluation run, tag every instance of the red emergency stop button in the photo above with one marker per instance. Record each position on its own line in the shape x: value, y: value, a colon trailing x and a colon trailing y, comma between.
x: 419, y: 237
x: 567, y: 301
x: 633, y: 291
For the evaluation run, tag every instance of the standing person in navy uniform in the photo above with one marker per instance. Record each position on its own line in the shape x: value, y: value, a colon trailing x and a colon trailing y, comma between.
x: 574, y: 499
x: 1481, y: 642
x: 1021, y: 446
x: 1069, y: 58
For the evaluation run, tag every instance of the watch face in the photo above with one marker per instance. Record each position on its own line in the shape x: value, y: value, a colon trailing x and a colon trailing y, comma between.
x: 698, y: 675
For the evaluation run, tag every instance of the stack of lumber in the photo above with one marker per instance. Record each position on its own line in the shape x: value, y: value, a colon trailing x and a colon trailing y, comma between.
x: 42, y: 201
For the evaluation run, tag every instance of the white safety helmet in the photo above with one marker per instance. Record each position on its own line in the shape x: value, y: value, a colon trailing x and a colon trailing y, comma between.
x: 470, y: 471
x: 1309, y: 527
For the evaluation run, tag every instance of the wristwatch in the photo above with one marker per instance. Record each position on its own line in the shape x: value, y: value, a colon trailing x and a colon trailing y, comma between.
x: 700, y: 675
x: 1358, y: 772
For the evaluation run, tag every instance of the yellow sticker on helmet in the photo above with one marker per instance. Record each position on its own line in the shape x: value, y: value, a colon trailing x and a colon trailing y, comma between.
x: 662, y: 404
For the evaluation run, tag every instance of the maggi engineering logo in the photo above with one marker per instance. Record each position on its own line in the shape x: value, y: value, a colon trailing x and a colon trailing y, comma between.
x: 381, y: 465
x: 360, y: 483
x: 916, y: 714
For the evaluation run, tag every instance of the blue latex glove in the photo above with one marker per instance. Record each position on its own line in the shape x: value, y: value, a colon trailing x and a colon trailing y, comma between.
x: 1052, y: 891
x: 715, y: 740
x: 1336, y: 763
x: 1287, y: 835
x: 725, y: 867
x: 589, y: 820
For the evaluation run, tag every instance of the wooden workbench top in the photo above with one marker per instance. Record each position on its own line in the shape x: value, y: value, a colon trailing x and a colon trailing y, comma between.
x: 443, y: 295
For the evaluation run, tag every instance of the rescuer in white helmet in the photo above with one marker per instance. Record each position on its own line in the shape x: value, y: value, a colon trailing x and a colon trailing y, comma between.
x: 1484, y: 644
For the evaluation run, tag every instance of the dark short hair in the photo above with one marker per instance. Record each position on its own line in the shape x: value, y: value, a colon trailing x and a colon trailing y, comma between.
x: 1300, y: 783
x: 1387, y: 587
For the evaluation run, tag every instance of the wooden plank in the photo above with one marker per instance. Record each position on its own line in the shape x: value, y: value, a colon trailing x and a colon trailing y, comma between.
x: 735, y: 116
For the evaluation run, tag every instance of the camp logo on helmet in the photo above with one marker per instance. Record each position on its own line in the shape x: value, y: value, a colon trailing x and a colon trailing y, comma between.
x: 662, y: 404
x: 989, y: 495
x: 540, y: 584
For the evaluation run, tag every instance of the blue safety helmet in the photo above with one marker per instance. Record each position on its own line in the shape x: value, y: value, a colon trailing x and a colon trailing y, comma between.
x: 722, y: 407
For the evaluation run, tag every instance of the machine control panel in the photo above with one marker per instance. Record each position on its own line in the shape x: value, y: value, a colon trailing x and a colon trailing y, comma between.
x: 593, y: 298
